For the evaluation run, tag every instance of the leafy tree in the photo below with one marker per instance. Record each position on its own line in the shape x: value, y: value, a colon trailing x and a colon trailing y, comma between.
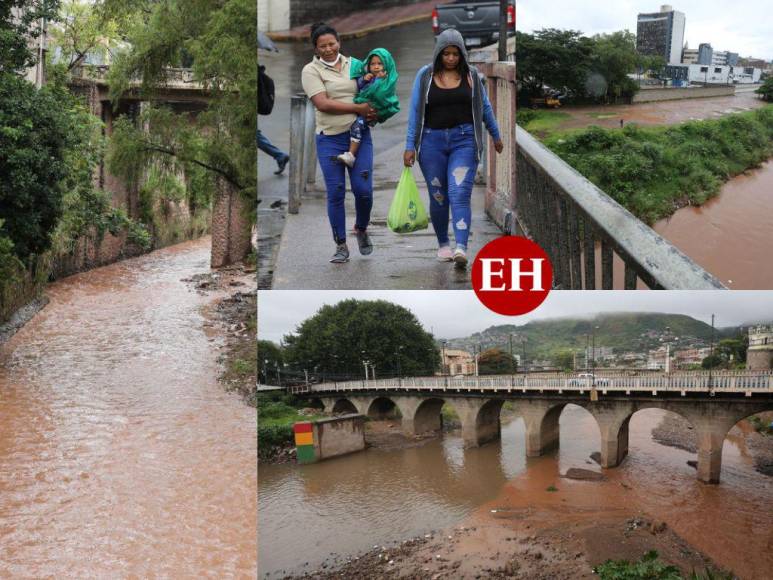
x: 729, y: 353
x: 217, y: 39
x: 564, y: 360
x: 552, y: 58
x: 338, y: 338
x: 766, y: 90
x: 18, y: 26
x: 613, y: 57
x: 84, y: 31
x: 495, y: 361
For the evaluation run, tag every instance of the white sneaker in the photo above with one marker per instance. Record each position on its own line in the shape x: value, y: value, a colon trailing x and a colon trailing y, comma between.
x: 444, y: 254
x: 460, y: 258
x: 347, y: 159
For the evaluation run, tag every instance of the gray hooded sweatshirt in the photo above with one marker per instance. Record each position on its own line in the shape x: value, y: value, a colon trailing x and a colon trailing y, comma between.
x: 481, y: 107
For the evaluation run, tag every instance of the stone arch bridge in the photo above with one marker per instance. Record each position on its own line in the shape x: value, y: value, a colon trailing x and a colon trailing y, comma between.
x: 712, y: 402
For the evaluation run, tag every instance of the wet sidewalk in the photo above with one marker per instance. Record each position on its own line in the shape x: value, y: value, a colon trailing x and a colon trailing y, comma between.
x: 361, y: 23
x: 398, y: 262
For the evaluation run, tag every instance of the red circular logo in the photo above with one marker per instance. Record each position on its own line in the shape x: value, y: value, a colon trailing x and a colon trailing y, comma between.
x: 512, y: 275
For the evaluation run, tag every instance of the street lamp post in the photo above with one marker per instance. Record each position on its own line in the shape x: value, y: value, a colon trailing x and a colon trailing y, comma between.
x: 523, y: 355
x: 593, y: 357
x: 711, y: 355
x: 399, y: 366
x: 443, y: 357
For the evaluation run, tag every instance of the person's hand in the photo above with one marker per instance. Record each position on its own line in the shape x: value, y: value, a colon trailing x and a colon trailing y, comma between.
x: 382, y: 74
x: 368, y: 76
x: 499, y: 146
x: 409, y: 158
x: 366, y: 111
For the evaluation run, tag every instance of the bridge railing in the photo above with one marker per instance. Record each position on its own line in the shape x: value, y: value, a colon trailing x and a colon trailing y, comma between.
x: 719, y: 381
x: 534, y: 193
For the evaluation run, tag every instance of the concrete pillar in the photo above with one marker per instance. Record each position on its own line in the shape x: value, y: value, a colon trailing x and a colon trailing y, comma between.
x: 479, y: 418
x: 420, y: 416
x: 541, y: 420
x: 710, y: 441
x: 614, y: 443
x: 231, y: 232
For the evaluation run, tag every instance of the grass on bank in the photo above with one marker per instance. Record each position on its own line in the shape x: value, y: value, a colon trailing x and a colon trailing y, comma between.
x: 540, y: 122
x: 654, y: 171
x: 277, y: 412
x: 650, y: 567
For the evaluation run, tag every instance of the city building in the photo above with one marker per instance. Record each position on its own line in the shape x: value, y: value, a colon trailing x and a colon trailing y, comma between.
x: 661, y: 33
x: 690, y: 56
x: 705, y: 53
x: 690, y: 356
x: 685, y: 74
x: 458, y: 362
x: 759, y: 355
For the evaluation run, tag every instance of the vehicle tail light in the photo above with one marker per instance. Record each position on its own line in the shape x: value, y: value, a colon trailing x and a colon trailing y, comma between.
x: 511, y: 17
x: 435, y: 25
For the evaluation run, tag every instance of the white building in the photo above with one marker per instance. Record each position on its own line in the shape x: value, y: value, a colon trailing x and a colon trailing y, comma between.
x: 690, y: 56
x: 661, y: 33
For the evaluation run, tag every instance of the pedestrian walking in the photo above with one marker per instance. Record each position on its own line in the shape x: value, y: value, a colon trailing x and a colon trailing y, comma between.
x: 265, y: 106
x: 326, y: 81
x: 449, y: 107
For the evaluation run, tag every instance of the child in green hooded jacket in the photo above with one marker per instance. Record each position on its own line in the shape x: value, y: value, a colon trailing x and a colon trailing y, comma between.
x: 376, y: 82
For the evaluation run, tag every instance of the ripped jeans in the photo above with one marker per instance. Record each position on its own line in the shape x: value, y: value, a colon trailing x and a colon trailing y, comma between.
x: 360, y: 177
x: 447, y: 161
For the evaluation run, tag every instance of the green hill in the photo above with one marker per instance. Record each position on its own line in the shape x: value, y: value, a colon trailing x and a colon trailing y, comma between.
x: 620, y: 331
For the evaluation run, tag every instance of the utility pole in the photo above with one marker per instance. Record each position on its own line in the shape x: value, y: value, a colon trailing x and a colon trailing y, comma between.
x: 711, y: 355
x: 512, y: 360
x: 523, y: 355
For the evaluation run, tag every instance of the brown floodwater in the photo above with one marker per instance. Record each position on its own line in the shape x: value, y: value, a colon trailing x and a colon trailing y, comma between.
x: 120, y: 454
x: 347, y: 505
x: 730, y: 234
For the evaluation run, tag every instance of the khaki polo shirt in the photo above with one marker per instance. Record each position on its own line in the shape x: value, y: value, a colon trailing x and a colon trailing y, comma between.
x: 317, y: 78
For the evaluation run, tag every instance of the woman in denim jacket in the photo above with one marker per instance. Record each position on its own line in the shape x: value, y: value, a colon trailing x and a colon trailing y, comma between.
x: 449, y: 107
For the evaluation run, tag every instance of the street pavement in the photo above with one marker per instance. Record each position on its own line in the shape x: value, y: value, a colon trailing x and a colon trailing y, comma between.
x: 294, y: 249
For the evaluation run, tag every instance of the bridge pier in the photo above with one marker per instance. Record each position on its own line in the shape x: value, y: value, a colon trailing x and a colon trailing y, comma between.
x: 541, y: 420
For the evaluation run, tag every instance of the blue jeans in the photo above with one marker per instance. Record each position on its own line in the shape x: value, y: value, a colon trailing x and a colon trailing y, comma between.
x: 447, y: 161
x: 265, y: 145
x: 360, y: 177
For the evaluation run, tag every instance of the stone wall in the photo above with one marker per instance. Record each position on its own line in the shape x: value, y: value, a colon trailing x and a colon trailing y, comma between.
x: 759, y: 360
x: 665, y: 94
x: 231, y: 232
x: 339, y: 436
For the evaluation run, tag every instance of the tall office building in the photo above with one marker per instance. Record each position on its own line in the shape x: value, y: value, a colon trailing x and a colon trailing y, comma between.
x: 661, y: 33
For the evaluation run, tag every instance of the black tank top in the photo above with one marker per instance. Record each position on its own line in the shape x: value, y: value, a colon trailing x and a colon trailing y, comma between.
x: 448, y: 108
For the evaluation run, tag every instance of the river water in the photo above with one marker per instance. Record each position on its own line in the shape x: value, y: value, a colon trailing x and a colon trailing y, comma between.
x: 729, y: 235
x: 347, y: 505
x: 120, y: 454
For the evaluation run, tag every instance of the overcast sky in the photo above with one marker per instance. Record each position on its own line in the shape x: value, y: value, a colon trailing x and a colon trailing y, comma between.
x: 453, y: 314
x: 742, y: 26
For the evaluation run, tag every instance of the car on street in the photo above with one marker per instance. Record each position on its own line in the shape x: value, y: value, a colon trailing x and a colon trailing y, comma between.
x: 477, y: 21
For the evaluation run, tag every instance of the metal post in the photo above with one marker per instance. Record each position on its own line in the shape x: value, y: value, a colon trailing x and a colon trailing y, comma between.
x: 297, y: 143
x: 503, y: 30
x: 310, y: 150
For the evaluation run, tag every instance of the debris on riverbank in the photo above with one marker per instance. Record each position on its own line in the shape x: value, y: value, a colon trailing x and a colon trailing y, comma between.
x: 676, y: 431
x: 234, y: 319
x: 21, y: 317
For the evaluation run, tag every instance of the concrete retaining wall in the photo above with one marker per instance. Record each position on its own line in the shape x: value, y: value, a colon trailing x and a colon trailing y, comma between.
x: 339, y: 436
x: 759, y: 360
x: 665, y: 94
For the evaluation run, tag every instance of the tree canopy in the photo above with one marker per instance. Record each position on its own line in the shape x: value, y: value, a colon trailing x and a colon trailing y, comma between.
x: 339, y: 338
x: 495, y: 361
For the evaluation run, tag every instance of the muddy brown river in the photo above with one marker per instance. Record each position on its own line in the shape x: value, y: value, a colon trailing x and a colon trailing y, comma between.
x: 729, y: 235
x: 120, y: 454
x: 347, y: 505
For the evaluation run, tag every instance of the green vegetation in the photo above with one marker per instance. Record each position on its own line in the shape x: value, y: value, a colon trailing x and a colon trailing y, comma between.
x: 338, y: 338
x: 578, y: 66
x: 496, y: 361
x: 650, y: 567
x: 730, y: 353
x: 761, y: 425
x: 541, y: 122
x: 551, y: 488
x: 450, y: 417
x: 277, y: 412
x: 766, y: 90
x: 654, y: 171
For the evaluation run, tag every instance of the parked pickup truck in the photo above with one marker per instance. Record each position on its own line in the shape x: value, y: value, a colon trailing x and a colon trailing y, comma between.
x: 477, y: 21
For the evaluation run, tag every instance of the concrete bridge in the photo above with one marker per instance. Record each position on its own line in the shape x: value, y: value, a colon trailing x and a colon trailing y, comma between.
x: 712, y: 402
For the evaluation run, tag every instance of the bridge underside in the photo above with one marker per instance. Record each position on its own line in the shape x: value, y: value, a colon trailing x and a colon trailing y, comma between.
x: 480, y: 419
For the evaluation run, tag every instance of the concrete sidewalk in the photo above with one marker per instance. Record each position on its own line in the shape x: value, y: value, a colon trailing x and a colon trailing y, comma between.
x: 398, y: 262
x: 361, y: 23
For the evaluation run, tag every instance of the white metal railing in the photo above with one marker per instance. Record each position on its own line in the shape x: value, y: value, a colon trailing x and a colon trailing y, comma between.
x: 746, y: 382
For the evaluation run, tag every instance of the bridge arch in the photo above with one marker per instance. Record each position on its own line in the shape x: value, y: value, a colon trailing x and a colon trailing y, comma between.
x: 383, y: 408
x: 316, y: 403
x: 344, y: 405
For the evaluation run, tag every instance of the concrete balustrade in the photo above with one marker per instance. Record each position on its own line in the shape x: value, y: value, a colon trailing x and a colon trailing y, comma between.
x: 710, y: 414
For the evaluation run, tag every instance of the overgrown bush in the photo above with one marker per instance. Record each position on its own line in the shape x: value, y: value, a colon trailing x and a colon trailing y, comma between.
x: 272, y: 437
x: 654, y: 171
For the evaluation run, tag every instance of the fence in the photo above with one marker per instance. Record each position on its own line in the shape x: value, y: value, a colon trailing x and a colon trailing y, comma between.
x: 716, y: 381
x: 536, y: 194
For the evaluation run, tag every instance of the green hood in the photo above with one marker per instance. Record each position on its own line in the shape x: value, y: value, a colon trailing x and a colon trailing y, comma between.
x: 382, y: 95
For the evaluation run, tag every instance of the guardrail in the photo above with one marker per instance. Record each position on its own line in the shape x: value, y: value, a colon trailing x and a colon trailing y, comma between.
x: 535, y: 194
x: 746, y: 382
x: 303, y: 150
x: 174, y: 77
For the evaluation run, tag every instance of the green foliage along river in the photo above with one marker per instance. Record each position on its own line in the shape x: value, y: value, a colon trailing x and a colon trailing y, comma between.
x: 653, y: 171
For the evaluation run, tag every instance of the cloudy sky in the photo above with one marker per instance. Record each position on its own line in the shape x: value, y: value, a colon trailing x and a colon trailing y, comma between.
x: 742, y: 26
x: 450, y: 314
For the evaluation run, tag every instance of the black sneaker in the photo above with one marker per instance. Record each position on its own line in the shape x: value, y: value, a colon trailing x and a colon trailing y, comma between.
x: 282, y: 164
x: 341, y: 255
x: 363, y: 240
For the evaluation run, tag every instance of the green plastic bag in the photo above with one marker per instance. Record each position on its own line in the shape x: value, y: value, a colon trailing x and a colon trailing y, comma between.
x: 407, y: 213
